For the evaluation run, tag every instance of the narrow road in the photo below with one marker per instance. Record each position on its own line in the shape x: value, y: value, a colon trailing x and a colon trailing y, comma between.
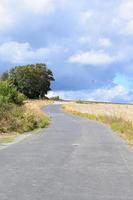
x: 72, y: 159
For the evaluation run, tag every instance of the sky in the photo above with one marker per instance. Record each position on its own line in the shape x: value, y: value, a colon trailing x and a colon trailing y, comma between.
x: 88, y: 44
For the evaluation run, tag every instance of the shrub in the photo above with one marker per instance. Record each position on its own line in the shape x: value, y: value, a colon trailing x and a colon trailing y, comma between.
x: 56, y: 98
x: 14, y: 116
x: 9, y: 94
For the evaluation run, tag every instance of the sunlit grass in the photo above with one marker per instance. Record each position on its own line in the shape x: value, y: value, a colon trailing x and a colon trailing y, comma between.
x: 16, y: 120
x: 124, y: 127
x: 5, y: 139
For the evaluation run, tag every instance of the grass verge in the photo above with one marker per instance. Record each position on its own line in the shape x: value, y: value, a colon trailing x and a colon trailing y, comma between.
x: 117, y: 124
x: 16, y: 119
x: 5, y: 139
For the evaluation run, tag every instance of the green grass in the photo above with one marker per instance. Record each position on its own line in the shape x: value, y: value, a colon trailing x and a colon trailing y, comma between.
x: 44, y: 122
x: 119, y: 125
x: 7, y: 139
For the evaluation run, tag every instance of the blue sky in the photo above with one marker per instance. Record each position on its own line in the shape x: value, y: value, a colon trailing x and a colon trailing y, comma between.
x: 88, y: 44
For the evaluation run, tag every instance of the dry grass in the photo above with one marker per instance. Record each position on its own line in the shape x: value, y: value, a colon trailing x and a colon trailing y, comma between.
x: 35, y: 106
x: 118, y: 117
x: 114, y: 110
x: 20, y: 119
x: 5, y: 139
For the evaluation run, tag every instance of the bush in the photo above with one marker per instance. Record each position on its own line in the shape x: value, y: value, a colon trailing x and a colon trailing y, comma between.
x: 9, y: 94
x: 14, y: 116
x: 56, y: 98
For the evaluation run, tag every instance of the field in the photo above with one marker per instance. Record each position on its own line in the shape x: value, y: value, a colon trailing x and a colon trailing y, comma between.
x: 118, y: 116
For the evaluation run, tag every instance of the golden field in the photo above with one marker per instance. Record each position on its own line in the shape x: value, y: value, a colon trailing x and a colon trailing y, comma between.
x: 118, y: 116
x: 114, y: 110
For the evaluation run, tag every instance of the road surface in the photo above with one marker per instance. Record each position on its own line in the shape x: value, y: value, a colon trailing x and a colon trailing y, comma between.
x: 72, y: 159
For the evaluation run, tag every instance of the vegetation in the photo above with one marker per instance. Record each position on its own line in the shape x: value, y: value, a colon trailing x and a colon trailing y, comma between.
x: 31, y: 80
x: 18, y: 119
x: 9, y: 94
x: 21, y: 83
x: 5, y: 139
x: 98, y: 102
x: 56, y: 98
x: 4, y: 76
x: 82, y: 102
x: 118, y: 124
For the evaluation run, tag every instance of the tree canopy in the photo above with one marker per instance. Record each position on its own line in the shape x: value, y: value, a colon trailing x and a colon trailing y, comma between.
x: 32, y: 80
x: 4, y: 76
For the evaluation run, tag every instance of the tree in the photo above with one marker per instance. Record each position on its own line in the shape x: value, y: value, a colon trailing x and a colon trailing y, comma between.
x: 32, y: 80
x: 4, y: 76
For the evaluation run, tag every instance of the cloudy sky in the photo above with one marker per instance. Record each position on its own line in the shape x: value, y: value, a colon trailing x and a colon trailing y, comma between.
x: 88, y: 44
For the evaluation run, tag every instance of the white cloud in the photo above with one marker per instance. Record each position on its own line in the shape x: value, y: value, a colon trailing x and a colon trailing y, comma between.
x: 109, y: 94
x: 39, y: 6
x: 102, y: 94
x: 85, y: 40
x: 11, y: 10
x: 105, y: 42
x: 129, y: 27
x: 92, y: 58
x: 6, y: 17
x: 126, y: 10
x: 14, y: 52
x: 85, y: 17
x: 125, y: 17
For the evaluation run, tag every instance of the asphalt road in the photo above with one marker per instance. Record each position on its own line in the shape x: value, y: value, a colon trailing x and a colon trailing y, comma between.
x: 72, y: 159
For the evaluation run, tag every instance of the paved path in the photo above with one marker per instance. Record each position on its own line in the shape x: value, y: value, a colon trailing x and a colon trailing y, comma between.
x: 73, y: 159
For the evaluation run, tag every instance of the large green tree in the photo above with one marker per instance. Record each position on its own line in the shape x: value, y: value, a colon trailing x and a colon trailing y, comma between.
x: 32, y: 80
x: 4, y: 76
